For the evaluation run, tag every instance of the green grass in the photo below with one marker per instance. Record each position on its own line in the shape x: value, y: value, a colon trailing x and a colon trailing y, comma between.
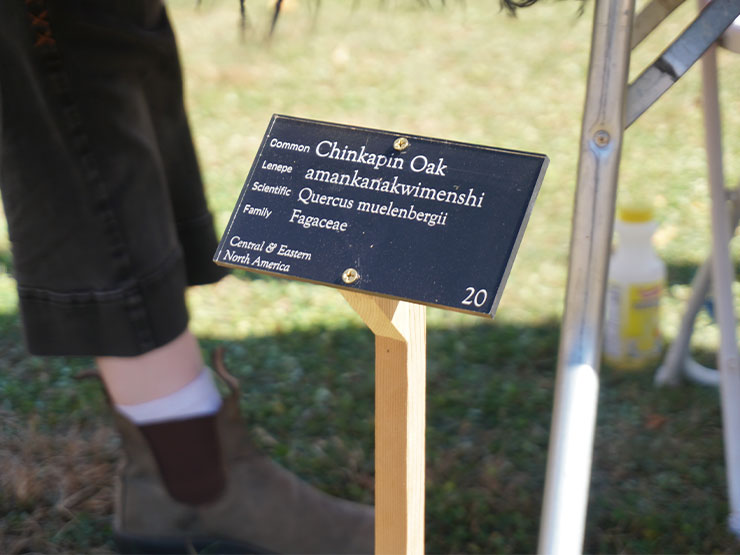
x: 466, y: 72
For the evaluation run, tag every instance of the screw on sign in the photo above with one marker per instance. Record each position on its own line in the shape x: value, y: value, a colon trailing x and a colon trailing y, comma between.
x: 350, y: 275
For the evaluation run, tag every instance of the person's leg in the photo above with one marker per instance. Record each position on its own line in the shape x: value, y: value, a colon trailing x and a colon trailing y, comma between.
x: 153, y: 375
x: 172, y: 398
x: 192, y: 478
x: 108, y: 223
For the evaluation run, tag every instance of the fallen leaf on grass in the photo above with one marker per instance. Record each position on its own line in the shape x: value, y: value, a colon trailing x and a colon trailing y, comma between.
x: 655, y: 421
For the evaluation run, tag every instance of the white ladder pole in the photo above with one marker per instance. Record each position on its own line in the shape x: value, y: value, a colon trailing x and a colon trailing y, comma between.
x: 722, y: 278
x: 577, y: 383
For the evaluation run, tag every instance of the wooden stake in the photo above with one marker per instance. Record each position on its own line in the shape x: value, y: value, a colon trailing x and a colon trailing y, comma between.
x: 400, y: 413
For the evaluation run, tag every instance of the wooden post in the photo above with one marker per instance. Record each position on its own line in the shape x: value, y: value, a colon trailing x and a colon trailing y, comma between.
x: 400, y: 415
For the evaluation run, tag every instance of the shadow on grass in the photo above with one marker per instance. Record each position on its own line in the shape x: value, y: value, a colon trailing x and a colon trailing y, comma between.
x: 658, y: 478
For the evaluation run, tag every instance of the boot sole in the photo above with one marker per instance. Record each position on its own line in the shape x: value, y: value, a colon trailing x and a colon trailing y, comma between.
x: 130, y: 544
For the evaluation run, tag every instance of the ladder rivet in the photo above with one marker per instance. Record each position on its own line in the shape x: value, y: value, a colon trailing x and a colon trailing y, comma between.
x: 602, y: 138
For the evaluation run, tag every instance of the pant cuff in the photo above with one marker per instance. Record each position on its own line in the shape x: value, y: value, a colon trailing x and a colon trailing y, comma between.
x: 128, y: 321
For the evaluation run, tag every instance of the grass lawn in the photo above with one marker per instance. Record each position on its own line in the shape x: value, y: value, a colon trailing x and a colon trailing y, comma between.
x: 464, y: 72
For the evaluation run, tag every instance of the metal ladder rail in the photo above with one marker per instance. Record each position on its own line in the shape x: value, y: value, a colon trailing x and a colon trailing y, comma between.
x: 610, y: 107
x: 728, y: 360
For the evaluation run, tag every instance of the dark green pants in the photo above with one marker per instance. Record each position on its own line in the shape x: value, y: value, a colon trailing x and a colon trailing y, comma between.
x: 100, y: 183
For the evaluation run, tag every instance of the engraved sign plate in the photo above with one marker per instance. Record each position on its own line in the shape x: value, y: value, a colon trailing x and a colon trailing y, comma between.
x: 413, y: 218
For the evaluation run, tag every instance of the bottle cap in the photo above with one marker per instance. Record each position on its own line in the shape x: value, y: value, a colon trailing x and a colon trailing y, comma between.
x: 636, y: 212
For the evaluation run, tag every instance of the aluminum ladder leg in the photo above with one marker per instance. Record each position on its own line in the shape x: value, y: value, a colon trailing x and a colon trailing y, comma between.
x: 577, y: 382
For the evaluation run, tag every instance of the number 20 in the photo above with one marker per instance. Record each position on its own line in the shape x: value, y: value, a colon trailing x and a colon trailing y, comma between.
x: 476, y: 298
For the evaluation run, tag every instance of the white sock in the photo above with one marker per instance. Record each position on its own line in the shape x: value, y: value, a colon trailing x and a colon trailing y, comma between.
x: 198, y: 398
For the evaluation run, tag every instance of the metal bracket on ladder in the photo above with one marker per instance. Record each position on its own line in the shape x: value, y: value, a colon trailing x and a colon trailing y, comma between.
x: 679, y: 56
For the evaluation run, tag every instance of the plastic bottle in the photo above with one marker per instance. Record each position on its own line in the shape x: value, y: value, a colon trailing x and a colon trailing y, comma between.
x: 635, y: 286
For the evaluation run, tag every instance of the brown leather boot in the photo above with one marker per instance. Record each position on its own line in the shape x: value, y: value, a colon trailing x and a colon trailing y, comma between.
x: 263, y: 509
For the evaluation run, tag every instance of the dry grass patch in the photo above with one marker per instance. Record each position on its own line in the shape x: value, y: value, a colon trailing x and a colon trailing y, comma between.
x: 55, y: 488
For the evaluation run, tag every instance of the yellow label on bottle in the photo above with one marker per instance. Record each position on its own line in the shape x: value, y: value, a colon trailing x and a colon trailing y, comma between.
x: 633, y: 330
x: 641, y: 322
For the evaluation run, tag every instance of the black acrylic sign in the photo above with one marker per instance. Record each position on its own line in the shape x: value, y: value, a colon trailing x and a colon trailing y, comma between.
x: 413, y: 218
